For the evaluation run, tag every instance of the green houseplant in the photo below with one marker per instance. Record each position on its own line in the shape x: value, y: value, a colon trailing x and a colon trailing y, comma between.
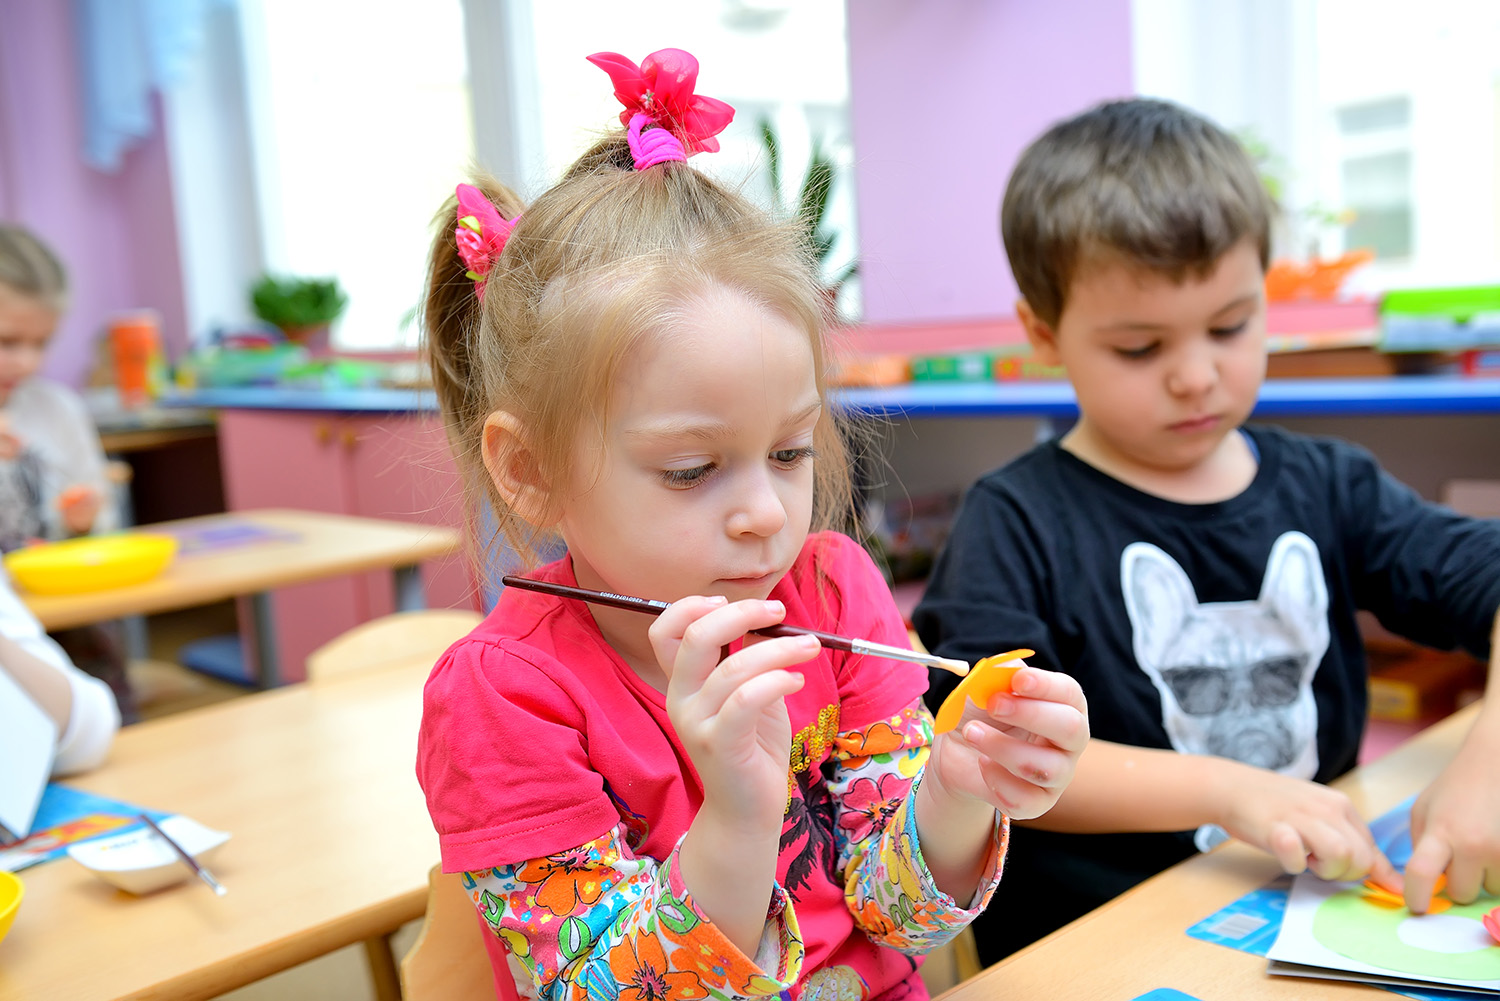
x: 812, y: 203
x: 301, y: 308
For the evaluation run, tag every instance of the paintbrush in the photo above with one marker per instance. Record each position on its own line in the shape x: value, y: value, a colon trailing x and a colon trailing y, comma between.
x: 651, y: 607
x: 187, y: 859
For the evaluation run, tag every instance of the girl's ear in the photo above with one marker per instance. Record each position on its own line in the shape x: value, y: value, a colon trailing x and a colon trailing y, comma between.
x: 514, y: 470
x: 1042, y: 337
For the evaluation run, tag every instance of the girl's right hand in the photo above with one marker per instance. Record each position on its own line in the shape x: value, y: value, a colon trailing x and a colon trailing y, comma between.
x: 730, y: 713
x: 1305, y: 825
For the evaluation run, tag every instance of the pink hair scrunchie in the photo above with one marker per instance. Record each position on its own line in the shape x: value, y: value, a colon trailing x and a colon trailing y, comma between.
x: 653, y: 146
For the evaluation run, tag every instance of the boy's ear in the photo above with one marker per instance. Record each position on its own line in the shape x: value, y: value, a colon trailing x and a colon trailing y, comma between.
x: 514, y: 470
x: 1042, y: 337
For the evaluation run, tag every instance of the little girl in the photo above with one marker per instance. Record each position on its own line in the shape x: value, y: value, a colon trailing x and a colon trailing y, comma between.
x: 660, y: 808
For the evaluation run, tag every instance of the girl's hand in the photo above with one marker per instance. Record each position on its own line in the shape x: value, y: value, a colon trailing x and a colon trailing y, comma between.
x: 729, y: 712
x: 1019, y: 754
x: 1305, y: 825
x: 79, y: 505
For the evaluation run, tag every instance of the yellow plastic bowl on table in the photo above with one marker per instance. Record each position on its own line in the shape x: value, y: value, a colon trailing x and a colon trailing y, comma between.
x: 11, y: 892
x: 95, y: 563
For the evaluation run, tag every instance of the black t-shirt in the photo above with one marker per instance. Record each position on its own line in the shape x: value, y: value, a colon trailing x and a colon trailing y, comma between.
x: 1226, y: 629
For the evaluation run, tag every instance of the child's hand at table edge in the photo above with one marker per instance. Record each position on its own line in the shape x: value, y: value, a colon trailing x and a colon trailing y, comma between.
x: 1019, y: 755
x: 1307, y: 826
x: 79, y: 505
x: 1455, y: 826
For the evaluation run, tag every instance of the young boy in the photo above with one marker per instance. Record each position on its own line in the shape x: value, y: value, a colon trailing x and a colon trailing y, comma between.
x: 1199, y: 578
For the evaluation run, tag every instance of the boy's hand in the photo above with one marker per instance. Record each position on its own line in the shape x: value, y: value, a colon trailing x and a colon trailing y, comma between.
x: 1020, y: 754
x: 1305, y: 825
x: 79, y: 505
x: 1455, y: 827
x: 730, y: 714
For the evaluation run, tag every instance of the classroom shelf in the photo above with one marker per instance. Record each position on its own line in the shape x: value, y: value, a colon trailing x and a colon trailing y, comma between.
x: 1397, y: 396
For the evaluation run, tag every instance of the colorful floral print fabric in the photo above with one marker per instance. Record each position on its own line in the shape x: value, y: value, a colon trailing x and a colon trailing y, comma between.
x: 599, y: 921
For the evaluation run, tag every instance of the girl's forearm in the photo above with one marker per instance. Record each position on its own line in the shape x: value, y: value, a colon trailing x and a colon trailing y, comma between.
x: 1118, y: 788
x: 955, y: 835
x: 731, y: 873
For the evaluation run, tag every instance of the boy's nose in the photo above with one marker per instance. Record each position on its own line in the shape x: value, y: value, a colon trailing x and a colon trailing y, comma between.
x: 1194, y: 374
x: 760, y: 510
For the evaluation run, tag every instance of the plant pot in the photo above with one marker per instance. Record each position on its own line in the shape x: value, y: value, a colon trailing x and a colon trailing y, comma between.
x: 313, y: 337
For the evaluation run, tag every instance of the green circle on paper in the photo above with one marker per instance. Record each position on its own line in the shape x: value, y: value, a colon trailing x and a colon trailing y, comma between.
x: 1351, y: 926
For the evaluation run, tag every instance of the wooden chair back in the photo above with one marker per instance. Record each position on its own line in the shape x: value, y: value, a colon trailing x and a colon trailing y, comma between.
x: 448, y: 959
x: 391, y: 639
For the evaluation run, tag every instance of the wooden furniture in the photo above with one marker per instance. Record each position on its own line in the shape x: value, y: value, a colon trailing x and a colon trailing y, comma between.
x: 390, y: 640
x: 296, y: 547
x: 331, y: 846
x: 448, y: 959
x: 372, y: 465
x: 1138, y: 941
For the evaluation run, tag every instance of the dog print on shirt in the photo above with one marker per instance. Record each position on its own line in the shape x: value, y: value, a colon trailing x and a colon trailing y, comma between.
x: 1235, y: 677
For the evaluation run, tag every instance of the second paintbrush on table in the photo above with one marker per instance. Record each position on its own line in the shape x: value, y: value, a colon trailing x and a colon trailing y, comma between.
x: 651, y: 606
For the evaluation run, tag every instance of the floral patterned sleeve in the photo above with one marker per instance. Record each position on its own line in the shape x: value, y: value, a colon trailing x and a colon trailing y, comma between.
x: 886, y: 882
x: 596, y: 921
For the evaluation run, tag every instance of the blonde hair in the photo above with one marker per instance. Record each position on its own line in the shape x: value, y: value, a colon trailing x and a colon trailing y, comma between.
x: 595, y: 264
x: 28, y: 267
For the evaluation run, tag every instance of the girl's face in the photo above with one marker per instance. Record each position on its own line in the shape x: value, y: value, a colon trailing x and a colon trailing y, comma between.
x: 26, y: 325
x: 702, y: 482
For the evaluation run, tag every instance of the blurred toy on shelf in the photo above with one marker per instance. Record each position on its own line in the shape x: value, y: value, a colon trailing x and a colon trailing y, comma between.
x: 1317, y: 279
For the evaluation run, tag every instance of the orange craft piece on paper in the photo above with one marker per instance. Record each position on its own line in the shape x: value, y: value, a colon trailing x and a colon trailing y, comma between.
x: 989, y: 677
x: 73, y: 495
x: 1381, y: 897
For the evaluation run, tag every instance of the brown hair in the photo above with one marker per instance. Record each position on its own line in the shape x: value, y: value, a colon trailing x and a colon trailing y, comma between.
x: 28, y: 267
x: 594, y: 264
x: 1143, y: 181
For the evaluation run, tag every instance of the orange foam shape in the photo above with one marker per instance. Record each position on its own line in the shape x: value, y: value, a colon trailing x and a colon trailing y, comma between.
x: 990, y: 677
x: 1381, y: 897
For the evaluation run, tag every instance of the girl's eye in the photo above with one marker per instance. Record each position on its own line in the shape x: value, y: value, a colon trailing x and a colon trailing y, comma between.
x: 1225, y: 333
x: 1137, y: 354
x: 793, y: 456
x: 686, y: 477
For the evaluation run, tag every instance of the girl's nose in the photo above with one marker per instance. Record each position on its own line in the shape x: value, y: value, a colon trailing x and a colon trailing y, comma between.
x: 759, y: 511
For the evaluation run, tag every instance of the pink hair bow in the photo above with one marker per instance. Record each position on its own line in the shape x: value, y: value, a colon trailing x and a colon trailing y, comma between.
x: 661, y: 88
x: 481, y: 234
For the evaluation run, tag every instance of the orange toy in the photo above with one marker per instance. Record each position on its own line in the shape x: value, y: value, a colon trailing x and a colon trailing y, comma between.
x: 990, y: 677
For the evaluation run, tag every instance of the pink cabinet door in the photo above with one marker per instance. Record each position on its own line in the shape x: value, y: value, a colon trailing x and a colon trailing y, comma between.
x: 393, y: 466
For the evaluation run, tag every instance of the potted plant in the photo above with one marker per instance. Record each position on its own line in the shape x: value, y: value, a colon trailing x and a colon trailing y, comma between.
x: 301, y: 308
x: 812, y: 205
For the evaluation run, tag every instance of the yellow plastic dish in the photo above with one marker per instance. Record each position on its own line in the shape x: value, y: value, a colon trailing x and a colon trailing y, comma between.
x: 95, y: 563
x: 989, y: 677
x: 11, y: 892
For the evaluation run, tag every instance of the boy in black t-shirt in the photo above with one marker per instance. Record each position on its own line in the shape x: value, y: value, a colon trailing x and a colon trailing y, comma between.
x: 1200, y: 579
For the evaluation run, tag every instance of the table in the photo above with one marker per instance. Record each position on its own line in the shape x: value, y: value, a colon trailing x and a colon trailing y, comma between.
x: 1138, y: 941
x: 296, y: 546
x: 331, y: 846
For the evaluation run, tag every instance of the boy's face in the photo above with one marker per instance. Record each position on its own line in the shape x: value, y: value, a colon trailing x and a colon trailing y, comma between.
x: 1163, y: 371
x: 26, y: 325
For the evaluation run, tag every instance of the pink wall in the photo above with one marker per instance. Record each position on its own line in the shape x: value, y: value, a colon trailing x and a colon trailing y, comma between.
x: 116, y: 233
x: 944, y: 95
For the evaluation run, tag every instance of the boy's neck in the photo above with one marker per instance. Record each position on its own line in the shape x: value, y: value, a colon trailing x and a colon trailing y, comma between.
x: 1225, y: 472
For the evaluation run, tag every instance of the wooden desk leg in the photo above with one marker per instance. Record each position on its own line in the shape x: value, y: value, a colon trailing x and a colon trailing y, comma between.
x: 409, y: 594
x: 268, y: 665
x: 384, y: 973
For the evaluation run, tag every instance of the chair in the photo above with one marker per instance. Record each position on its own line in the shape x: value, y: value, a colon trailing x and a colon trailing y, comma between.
x: 448, y: 960
x: 389, y: 640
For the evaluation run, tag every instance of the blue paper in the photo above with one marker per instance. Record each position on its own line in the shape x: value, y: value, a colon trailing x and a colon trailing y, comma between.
x: 62, y: 806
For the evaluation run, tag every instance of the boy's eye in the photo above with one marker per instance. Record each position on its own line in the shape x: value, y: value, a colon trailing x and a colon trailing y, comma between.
x: 1136, y: 354
x: 687, y: 477
x: 1227, y: 332
x: 793, y: 456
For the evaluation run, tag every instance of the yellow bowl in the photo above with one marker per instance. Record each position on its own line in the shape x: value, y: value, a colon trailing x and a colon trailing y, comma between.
x: 11, y: 892
x: 94, y: 563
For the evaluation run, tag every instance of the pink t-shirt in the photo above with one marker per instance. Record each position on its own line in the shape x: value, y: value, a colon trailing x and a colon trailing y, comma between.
x: 537, y: 738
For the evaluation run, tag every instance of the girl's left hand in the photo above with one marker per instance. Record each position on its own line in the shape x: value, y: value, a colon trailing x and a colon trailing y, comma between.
x: 79, y: 505
x: 1020, y: 754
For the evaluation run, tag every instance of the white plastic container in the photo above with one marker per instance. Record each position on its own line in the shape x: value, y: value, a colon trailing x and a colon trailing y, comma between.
x: 140, y: 861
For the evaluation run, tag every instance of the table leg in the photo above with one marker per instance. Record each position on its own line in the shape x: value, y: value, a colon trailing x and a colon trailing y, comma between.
x: 409, y: 594
x: 268, y: 666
